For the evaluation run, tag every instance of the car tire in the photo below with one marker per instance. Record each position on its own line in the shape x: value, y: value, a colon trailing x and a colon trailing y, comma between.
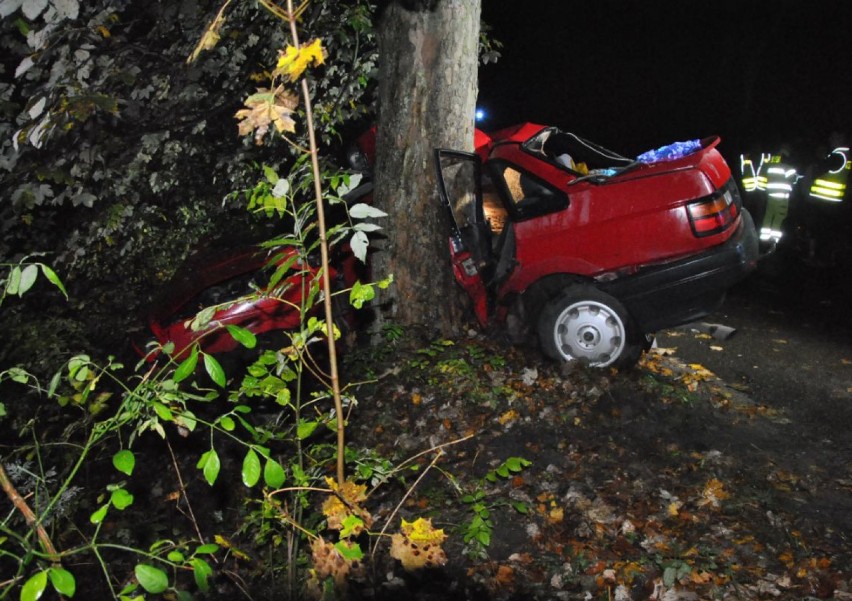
x: 585, y: 324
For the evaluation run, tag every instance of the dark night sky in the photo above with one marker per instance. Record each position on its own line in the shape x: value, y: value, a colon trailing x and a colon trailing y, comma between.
x: 637, y: 74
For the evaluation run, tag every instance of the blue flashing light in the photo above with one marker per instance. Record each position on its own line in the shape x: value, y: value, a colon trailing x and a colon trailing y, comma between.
x: 479, y: 115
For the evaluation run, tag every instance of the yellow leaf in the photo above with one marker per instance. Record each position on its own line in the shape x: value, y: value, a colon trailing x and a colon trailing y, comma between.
x: 209, y: 38
x: 293, y: 63
x: 714, y: 493
x: 346, y: 502
x: 509, y: 416
x: 422, y: 532
x: 104, y: 32
x: 418, y: 545
x: 556, y: 515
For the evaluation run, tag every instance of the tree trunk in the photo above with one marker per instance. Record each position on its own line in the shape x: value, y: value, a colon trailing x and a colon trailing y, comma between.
x: 427, y: 98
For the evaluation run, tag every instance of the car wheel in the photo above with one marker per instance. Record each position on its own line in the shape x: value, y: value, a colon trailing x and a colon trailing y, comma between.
x: 585, y: 324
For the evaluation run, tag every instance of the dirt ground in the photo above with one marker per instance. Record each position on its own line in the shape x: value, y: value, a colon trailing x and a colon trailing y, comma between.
x: 666, y: 482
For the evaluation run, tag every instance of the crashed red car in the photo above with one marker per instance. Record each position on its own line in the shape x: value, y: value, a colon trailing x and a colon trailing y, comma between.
x: 594, y: 250
x: 231, y: 282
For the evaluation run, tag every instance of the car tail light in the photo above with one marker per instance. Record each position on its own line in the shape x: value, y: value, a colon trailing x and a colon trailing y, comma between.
x: 713, y: 214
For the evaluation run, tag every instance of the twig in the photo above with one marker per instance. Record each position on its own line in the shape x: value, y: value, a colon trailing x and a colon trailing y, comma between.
x: 404, y: 497
x: 183, y: 493
x: 438, y: 448
x: 30, y: 517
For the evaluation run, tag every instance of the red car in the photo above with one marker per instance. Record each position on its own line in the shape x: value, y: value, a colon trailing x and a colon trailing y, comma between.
x: 594, y: 250
x: 227, y: 280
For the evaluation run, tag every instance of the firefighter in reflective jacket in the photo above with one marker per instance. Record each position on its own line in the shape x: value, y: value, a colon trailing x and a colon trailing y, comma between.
x: 780, y: 179
x: 830, y: 186
x: 753, y: 170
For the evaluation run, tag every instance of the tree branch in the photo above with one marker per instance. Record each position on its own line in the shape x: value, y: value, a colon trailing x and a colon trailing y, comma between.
x: 30, y: 517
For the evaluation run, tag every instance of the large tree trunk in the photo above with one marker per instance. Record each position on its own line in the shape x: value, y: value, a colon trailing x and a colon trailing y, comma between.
x: 427, y: 99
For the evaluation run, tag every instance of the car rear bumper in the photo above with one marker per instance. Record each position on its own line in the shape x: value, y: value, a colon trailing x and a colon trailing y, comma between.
x: 676, y: 293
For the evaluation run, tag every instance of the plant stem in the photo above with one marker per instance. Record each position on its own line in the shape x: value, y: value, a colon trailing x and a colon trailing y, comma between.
x: 30, y: 517
x: 326, y: 282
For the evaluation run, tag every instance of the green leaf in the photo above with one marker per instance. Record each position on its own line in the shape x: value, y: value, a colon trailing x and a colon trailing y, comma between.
x: 63, y: 581
x: 54, y: 279
x: 251, y: 468
x: 360, y: 294
x: 242, y: 335
x: 517, y: 464
x: 273, y: 473
x: 210, y: 465
x: 214, y: 370
x: 78, y: 367
x: 187, y: 366
x: 484, y: 537
x: 154, y: 580
x: 54, y: 383
x: 14, y: 280
x: 187, y: 420
x: 270, y: 174
x: 349, y: 550
x: 200, y: 321
x: 176, y: 556
x: 34, y: 587
x: 202, y: 572
x: 121, y: 499
x: 124, y: 461
x: 350, y: 524
x: 16, y: 374
x: 28, y: 278
x: 207, y: 549
x: 98, y: 516
x: 163, y: 412
x: 227, y: 423
x: 305, y: 429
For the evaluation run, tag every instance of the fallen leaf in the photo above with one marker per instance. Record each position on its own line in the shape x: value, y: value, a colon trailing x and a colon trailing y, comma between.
x: 510, y: 415
x: 505, y: 575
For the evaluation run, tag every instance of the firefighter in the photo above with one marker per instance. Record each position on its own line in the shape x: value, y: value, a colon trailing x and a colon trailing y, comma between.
x: 753, y: 182
x: 829, y: 221
x: 830, y: 185
x: 778, y: 177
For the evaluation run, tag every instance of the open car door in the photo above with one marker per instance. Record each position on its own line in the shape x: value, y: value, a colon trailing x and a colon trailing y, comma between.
x: 460, y: 188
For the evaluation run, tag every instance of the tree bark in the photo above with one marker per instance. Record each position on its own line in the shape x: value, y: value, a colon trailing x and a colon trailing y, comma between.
x: 427, y: 98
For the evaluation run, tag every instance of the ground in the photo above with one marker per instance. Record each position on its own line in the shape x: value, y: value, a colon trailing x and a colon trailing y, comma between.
x: 665, y: 482
x: 718, y: 468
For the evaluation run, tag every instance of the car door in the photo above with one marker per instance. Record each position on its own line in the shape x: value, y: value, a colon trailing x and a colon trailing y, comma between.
x: 459, y: 177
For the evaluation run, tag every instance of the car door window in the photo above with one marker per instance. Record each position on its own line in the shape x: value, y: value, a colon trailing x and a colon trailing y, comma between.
x: 526, y: 196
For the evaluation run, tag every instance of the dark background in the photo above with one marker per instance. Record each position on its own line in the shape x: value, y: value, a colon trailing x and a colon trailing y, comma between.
x: 634, y: 75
